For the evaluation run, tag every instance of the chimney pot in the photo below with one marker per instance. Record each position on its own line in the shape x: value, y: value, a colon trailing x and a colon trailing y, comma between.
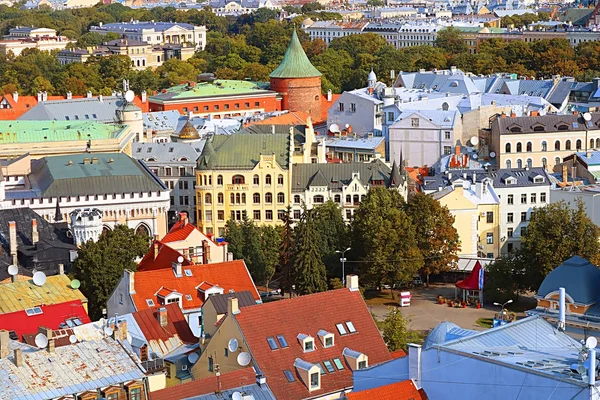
x: 156, y: 249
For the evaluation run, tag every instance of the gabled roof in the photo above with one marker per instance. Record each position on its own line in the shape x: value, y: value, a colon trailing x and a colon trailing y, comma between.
x: 405, y: 390
x: 308, y: 315
x: 52, y: 316
x: 16, y: 108
x: 219, y: 301
x: 579, y: 277
x: 336, y: 175
x: 166, y: 256
x: 91, y: 109
x: 295, y: 63
x: 230, y: 275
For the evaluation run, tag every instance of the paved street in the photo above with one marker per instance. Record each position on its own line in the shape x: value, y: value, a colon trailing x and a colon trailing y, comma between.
x: 425, y: 313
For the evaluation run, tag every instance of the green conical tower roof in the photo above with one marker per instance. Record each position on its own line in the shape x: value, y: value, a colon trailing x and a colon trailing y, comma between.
x: 295, y: 63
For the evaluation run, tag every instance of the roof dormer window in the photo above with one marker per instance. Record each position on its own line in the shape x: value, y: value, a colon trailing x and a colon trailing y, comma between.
x: 309, y: 373
x: 355, y: 359
x: 538, y: 179
x: 326, y: 338
x: 307, y: 342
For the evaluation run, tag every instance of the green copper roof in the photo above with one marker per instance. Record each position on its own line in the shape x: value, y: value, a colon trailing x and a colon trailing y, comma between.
x: 295, y: 63
x: 220, y: 87
x: 56, y: 131
x: 242, y: 151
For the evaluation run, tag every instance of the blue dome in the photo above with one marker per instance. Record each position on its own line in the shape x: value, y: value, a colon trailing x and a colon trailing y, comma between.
x: 579, y: 277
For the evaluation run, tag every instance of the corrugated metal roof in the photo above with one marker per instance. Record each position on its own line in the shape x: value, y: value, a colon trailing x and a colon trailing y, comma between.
x: 549, y: 123
x: 76, y: 109
x: 158, y: 153
x: 82, y: 366
x: 21, y: 295
x: 257, y: 392
x: 335, y: 175
x: 220, y: 301
x: 295, y: 63
x: 56, y: 131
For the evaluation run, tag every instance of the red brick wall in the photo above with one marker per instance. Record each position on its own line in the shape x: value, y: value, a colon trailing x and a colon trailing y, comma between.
x: 268, y: 103
x: 299, y: 94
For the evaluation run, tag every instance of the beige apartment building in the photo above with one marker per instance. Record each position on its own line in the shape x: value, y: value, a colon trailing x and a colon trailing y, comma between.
x: 542, y: 141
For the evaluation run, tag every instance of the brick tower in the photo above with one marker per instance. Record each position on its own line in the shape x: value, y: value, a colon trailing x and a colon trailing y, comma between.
x: 297, y: 81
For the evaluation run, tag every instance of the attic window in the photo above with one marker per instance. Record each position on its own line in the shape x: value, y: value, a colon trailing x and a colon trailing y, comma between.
x: 539, y: 128
x: 33, y: 311
x: 351, y: 327
x: 187, y: 272
x: 515, y: 129
x: 538, y: 179
x: 282, y: 342
x: 289, y: 376
x: 150, y: 302
x: 338, y: 364
x: 563, y: 127
x: 329, y: 366
x: 272, y: 343
x: 307, y: 342
x: 341, y: 329
x: 326, y: 338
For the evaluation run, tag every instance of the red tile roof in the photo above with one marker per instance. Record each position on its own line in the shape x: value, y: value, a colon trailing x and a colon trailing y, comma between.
x: 24, y: 104
x: 398, y: 354
x: 290, y: 118
x: 166, y: 257
x: 179, y: 231
x: 228, y: 275
x: 201, y: 387
x: 52, y: 317
x: 325, y: 106
x: 177, y: 326
x: 308, y: 315
x: 404, y: 390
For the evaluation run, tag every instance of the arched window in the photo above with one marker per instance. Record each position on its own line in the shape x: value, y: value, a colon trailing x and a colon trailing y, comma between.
x: 280, y: 198
x: 268, y: 198
x: 207, y: 198
x: 544, y: 146
x: 591, y: 143
x: 557, y: 145
x: 268, y: 180
x: 256, y: 198
x: 568, y: 145
x: 544, y: 163
x: 220, y: 180
x: 232, y: 198
x: 598, y: 143
x: 280, y: 180
x: 348, y: 199
x: 237, y: 198
x: 220, y: 198
x: 337, y: 198
x: 356, y: 199
x: 507, y: 148
x: 445, y: 106
x: 297, y: 199
x: 256, y: 180
x: 243, y: 198
x: 529, y: 163
x: 578, y: 144
x: 557, y: 161
x: 142, y: 230
x: 519, y: 147
x: 237, y: 179
x: 508, y: 164
x: 519, y: 163
x: 529, y: 146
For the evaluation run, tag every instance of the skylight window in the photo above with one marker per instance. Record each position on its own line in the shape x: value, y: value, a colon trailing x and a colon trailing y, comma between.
x: 341, y: 329
x: 338, y: 364
x: 33, y: 311
x: 323, y: 372
x: 329, y: 366
x: 282, y: 342
x: 94, y: 115
x: 272, y: 343
x: 288, y: 374
x: 187, y: 272
x: 351, y: 327
x: 150, y: 302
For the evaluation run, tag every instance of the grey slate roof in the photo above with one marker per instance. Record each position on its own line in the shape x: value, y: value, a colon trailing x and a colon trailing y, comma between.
x: 443, y: 180
x: 219, y: 301
x: 524, y: 177
x: 550, y: 122
x: 257, y: 392
x: 160, y: 153
x: 335, y: 176
x: 579, y: 277
x: 75, y: 109
x: 53, y: 176
x: 161, y: 121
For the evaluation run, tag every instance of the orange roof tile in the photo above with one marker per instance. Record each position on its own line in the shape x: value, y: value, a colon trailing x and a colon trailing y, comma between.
x: 325, y: 106
x: 230, y: 275
x: 308, y: 315
x: 398, y: 353
x: 231, y: 380
x: 166, y: 257
x: 204, y: 286
x: 404, y: 390
x: 16, y: 109
x: 177, y: 327
x: 291, y: 118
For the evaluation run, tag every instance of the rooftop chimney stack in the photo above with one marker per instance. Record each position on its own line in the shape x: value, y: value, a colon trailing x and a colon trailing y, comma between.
x: 61, y: 269
x: 232, y: 306
x: 352, y: 282
x: 565, y: 174
x: 561, y: 309
x: 16, y: 97
x: 12, y: 237
x: 205, y: 252
x: 18, y: 357
x: 35, y: 236
x: 162, y: 316
x: 4, y: 344
x: 156, y: 249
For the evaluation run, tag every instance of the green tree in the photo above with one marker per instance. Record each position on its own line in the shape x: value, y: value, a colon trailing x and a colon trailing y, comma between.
x: 333, y: 235
x: 235, y: 239
x: 100, y: 265
x: 383, y: 239
x: 435, y: 234
x: 309, y: 270
x: 507, y: 277
x: 396, y: 334
x: 375, y: 3
x: 271, y: 240
x: 286, y: 253
x: 555, y: 233
x: 314, y: 6
x: 451, y: 41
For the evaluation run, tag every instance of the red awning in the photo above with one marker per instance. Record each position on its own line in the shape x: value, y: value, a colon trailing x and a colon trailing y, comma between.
x: 472, y: 281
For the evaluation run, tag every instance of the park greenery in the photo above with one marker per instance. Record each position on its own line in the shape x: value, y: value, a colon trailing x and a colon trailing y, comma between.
x: 396, y: 332
x: 252, y: 45
x: 390, y: 241
x: 99, y: 265
x: 554, y: 234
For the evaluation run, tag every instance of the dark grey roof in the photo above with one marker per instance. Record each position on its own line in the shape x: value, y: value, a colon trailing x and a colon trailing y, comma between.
x: 550, y: 123
x: 261, y: 128
x: 523, y: 177
x: 579, y: 277
x: 445, y: 179
x: 256, y: 392
x: 335, y: 176
x: 560, y: 93
x: 172, y: 152
x: 91, y: 109
x: 245, y: 299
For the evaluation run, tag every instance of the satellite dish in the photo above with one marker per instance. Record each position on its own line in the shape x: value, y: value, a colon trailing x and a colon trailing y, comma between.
x: 13, y: 270
x: 475, y: 156
x: 232, y: 345
x: 180, y: 259
x: 334, y: 128
x: 474, y: 140
x: 41, y: 340
x: 492, y: 154
x: 108, y: 331
x: 591, y: 342
x: 347, y: 126
x: 129, y: 96
x: 193, y: 357
x: 73, y: 339
x: 244, y: 359
x: 39, y: 278
x: 587, y: 116
x: 75, y: 284
x: 236, y: 396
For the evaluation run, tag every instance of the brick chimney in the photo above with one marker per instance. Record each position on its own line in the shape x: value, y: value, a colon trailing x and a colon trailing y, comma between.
x: 120, y: 331
x: 161, y: 315
x: 35, y: 236
x: 4, y: 344
x: 565, y: 173
x: 183, y: 218
x: 12, y: 237
x: 205, y: 252
x: 18, y: 357
x: 51, y: 346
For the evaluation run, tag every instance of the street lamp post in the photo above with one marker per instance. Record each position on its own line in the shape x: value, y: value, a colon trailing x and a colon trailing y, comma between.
x: 343, y: 260
x: 503, y: 305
